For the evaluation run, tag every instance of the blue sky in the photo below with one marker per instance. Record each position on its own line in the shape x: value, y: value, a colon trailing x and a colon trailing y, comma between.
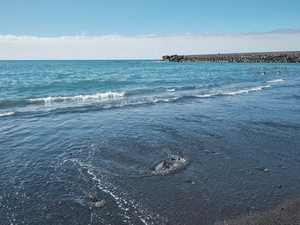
x: 65, y: 24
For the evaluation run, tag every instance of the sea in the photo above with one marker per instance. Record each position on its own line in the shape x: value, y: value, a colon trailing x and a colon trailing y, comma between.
x: 146, y: 142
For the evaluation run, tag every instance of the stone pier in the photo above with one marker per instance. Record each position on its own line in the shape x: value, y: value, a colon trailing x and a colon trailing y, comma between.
x: 268, y: 57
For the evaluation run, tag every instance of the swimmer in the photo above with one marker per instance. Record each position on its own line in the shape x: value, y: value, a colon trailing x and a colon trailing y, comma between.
x: 264, y: 73
x: 278, y: 72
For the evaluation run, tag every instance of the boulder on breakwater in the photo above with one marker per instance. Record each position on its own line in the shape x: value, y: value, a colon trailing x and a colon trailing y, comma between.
x: 268, y: 57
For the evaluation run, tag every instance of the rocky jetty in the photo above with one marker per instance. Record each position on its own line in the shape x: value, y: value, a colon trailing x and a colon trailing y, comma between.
x: 286, y: 57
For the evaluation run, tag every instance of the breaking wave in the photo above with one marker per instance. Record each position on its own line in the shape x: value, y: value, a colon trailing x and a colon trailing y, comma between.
x: 109, y: 100
x: 275, y: 81
x: 7, y: 114
x: 232, y: 92
x: 81, y: 98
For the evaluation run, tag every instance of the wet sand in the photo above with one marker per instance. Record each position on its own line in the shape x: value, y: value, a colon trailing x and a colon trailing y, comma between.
x: 287, y: 212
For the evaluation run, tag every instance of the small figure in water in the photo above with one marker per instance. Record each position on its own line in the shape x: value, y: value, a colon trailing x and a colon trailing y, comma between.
x: 278, y: 72
x: 262, y: 68
x: 264, y: 73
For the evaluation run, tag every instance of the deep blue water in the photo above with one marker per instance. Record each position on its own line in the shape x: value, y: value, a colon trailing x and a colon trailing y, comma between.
x: 74, y: 133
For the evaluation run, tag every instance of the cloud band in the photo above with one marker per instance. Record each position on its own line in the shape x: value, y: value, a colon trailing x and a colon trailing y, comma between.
x: 144, y: 46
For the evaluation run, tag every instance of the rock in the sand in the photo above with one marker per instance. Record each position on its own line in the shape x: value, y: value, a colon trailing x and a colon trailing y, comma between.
x: 99, y: 204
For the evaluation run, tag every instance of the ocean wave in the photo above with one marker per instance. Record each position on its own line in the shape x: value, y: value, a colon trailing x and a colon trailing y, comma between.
x: 275, y: 81
x: 139, y: 102
x: 246, y: 90
x: 146, y: 91
x: 232, y: 92
x: 171, y: 90
x: 81, y: 98
x: 100, y: 101
x: 7, y: 114
x: 149, y: 90
x: 107, y: 95
x: 154, y: 100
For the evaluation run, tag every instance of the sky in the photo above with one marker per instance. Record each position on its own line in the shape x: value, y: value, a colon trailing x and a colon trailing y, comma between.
x: 145, y: 29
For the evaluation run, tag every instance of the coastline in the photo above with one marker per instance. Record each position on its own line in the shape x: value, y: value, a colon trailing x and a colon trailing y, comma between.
x: 286, y: 212
x: 235, y: 129
x: 284, y: 57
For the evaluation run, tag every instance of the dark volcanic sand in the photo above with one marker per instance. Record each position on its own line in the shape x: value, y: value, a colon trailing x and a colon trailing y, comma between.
x: 286, y: 213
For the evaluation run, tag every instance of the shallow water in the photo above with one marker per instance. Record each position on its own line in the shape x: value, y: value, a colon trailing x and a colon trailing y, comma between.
x: 74, y: 133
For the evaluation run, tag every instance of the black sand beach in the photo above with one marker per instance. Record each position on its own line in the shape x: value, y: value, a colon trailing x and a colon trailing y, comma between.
x: 286, y: 213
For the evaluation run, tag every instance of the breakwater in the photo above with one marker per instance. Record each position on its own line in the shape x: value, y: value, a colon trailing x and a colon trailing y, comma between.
x: 289, y: 57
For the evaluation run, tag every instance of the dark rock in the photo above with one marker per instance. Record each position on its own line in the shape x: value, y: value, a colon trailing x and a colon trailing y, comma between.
x: 290, y: 57
x: 166, y: 58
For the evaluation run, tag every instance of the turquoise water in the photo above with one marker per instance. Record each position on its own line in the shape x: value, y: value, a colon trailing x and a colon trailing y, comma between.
x: 160, y: 143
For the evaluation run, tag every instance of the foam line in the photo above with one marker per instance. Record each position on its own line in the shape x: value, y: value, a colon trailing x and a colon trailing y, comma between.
x: 233, y: 92
x: 275, y: 81
x: 7, y: 114
x: 97, y: 96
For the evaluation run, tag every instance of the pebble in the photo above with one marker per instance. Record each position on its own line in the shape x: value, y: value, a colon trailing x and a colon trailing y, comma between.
x: 210, y: 151
x: 263, y: 169
x: 99, y: 204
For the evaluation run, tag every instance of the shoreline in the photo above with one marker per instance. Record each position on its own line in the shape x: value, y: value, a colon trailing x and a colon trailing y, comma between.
x: 283, y: 57
x: 287, y: 212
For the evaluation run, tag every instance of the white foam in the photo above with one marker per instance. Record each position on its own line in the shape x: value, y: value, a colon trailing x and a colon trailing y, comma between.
x: 7, y: 114
x: 155, y: 100
x: 275, y: 81
x: 235, y: 92
x: 124, y: 203
x: 247, y: 90
x: 171, y: 90
x: 140, y: 102
x: 97, y: 96
x: 205, y: 95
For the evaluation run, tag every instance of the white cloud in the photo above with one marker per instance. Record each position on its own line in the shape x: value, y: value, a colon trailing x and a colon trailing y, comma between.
x: 144, y: 46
